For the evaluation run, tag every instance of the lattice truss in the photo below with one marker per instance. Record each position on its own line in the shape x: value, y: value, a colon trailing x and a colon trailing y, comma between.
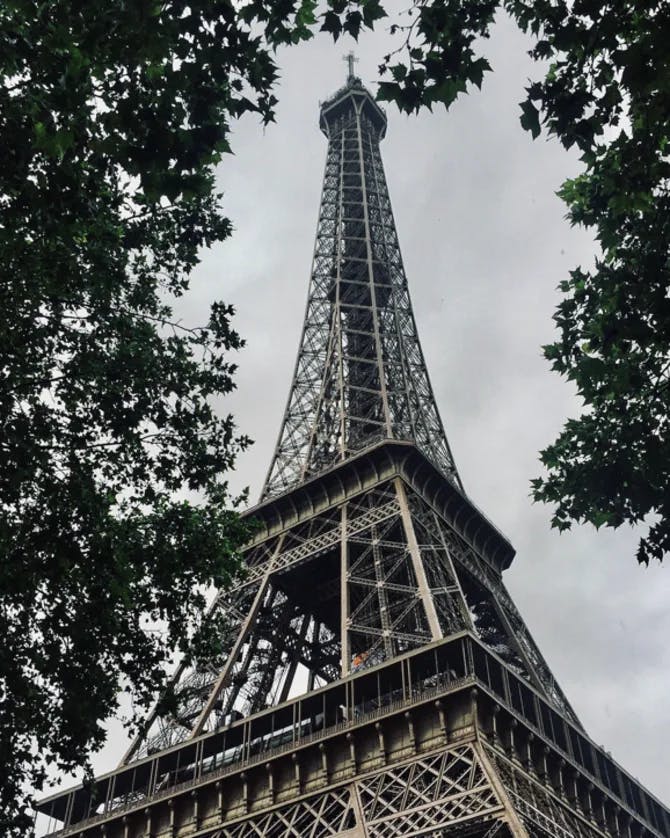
x: 448, y: 794
x: 464, y: 791
x: 451, y: 789
x: 351, y: 587
x: 494, y: 616
x: 360, y: 375
x: 318, y: 817
x: 542, y: 812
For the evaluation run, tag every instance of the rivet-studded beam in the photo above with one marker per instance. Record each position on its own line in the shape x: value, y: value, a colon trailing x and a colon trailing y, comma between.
x: 360, y: 375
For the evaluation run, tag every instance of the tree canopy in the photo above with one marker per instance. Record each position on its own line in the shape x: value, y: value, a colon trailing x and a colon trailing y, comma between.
x: 604, y: 88
x: 113, y: 116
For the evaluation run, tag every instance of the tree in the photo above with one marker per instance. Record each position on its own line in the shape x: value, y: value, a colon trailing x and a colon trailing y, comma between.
x: 112, y: 116
x: 606, y: 91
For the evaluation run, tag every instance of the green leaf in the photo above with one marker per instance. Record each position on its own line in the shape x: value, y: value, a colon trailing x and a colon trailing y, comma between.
x: 352, y: 24
x: 372, y: 12
x: 331, y: 23
x: 530, y: 118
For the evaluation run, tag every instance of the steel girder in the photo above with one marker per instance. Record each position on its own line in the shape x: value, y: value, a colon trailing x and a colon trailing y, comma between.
x: 360, y: 374
x: 450, y: 794
x: 349, y: 587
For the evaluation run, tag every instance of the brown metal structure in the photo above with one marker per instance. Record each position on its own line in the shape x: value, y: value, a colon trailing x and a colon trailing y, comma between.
x: 378, y: 680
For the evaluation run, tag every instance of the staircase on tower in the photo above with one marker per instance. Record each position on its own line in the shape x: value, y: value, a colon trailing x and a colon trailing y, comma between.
x: 378, y: 680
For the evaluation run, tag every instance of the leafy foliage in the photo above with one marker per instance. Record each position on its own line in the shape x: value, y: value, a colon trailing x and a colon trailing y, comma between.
x: 112, y: 117
x: 606, y: 92
x: 436, y: 60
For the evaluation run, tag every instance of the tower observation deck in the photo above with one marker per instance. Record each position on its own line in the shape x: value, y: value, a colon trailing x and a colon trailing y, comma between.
x: 377, y: 680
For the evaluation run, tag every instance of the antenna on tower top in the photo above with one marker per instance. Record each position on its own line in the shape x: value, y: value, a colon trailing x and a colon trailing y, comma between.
x: 351, y: 60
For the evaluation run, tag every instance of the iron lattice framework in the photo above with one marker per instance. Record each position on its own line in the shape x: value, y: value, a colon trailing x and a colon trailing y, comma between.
x: 377, y: 680
x: 358, y: 584
x: 360, y: 375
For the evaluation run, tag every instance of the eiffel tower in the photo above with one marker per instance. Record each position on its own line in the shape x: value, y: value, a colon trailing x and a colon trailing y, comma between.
x: 378, y: 679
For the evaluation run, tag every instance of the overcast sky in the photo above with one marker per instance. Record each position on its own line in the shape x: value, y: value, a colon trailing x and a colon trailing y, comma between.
x: 485, y: 244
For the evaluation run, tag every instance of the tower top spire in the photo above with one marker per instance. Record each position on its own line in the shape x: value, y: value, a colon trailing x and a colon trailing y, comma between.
x: 349, y: 100
x: 351, y: 59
